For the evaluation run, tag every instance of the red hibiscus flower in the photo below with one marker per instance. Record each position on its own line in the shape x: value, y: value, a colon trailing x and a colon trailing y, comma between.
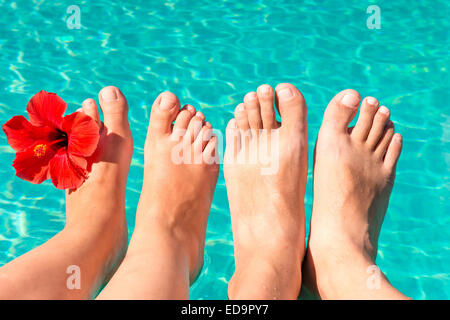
x: 51, y: 146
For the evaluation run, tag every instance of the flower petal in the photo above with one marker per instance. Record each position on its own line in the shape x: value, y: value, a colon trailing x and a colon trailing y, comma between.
x: 21, y: 134
x: 46, y: 109
x: 66, y: 171
x: 33, y: 164
x: 83, y: 133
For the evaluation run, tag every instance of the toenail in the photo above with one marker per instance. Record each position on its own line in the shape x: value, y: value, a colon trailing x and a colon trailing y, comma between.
x: 240, y: 107
x: 372, y: 101
x: 200, y: 115
x: 189, y: 108
x: 88, y: 101
x: 285, y: 94
x: 109, y: 94
x: 384, y: 110
x: 265, y: 89
x: 350, y: 100
x: 167, y: 103
x: 250, y: 96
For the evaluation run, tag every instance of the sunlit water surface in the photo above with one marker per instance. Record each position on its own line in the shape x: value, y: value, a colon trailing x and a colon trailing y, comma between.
x: 210, y: 53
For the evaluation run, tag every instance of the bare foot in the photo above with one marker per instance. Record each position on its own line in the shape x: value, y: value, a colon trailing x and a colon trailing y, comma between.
x: 354, y: 172
x: 267, y: 198
x: 99, y: 204
x: 166, y: 251
x: 94, y: 239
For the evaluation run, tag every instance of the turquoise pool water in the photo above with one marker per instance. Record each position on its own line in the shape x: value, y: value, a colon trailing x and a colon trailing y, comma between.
x: 210, y: 53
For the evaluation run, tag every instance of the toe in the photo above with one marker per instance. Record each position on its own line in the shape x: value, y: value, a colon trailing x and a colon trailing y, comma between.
x: 382, y: 146
x: 241, y: 117
x: 266, y: 100
x: 393, y: 153
x: 233, y: 140
x: 164, y: 111
x: 115, y: 110
x: 369, y: 108
x: 341, y: 110
x: 203, y: 138
x: 182, y: 121
x: 194, y: 128
x: 89, y: 107
x: 378, y: 127
x: 251, y: 105
x: 211, y: 152
x: 291, y: 105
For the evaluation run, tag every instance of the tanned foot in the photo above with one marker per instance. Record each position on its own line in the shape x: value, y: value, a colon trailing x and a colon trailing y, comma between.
x: 97, y: 208
x: 181, y: 169
x: 354, y: 171
x: 94, y: 240
x: 179, y: 182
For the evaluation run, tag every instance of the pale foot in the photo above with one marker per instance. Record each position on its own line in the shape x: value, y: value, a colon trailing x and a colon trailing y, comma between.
x: 166, y: 250
x: 354, y: 172
x: 77, y: 261
x: 267, y: 199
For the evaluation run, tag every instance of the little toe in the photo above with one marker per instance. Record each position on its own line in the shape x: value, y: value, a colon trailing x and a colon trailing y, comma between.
x: 266, y: 101
x: 369, y: 108
x: 379, y: 123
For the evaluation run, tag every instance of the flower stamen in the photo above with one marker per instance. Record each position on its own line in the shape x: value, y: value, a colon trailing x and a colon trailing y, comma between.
x: 40, y: 150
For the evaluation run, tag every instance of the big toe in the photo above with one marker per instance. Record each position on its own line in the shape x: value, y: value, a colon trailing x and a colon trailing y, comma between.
x: 341, y: 110
x: 291, y: 105
x: 164, y: 111
x: 115, y: 110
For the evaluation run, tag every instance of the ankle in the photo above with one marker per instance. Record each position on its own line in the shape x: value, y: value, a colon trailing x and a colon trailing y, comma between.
x: 265, y: 278
x: 97, y: 224
x: 181, y: 243
x: 334, y: 273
